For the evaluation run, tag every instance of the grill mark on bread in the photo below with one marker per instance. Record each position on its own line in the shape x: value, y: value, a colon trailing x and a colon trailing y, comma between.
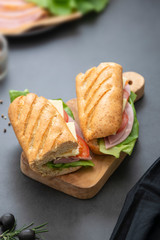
x: 31, y: 139
x: 88, y: 101
x: 19, y: 108
x: 91, y: 112
x: 29, y: 114
x: 43, y: 139
x: 54, y: 143
x: 94, y: 81
x: 87, y: 74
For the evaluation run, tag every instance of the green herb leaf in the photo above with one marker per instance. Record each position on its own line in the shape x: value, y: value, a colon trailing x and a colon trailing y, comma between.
x: 14, y: 94
x: 83, y: 163
x: 65, y: 7
x: 128, y: 144
x: 66, y: 108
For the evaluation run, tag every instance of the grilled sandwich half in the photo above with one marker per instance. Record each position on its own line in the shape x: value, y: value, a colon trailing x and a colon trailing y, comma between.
x: 42, y: 133
x: 100, y: 102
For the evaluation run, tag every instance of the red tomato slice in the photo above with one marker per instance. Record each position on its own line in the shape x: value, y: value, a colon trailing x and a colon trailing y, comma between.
x: 66, y: 118
x: 125, y: 94
x: 124, y: 122
x: 83, y: 148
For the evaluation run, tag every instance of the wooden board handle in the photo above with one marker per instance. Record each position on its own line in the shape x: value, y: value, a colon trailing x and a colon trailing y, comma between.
x: 136, y: 82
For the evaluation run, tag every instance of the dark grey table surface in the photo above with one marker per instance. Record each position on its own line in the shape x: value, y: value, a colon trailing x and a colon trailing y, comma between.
x: 127, y: 32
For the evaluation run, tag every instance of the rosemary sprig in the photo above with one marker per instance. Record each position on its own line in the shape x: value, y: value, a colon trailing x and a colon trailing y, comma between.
x: 13, y: 234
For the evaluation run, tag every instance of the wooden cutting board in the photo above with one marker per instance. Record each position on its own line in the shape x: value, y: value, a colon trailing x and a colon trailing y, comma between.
x: 87, y: 182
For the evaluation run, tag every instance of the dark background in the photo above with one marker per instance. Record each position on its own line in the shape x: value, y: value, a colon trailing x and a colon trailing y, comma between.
x: 126, y: 32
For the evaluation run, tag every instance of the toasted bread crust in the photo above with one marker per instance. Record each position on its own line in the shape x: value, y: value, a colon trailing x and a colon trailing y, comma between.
x: 93, y: 145
x: 40, y: 130
x: 100, y: 99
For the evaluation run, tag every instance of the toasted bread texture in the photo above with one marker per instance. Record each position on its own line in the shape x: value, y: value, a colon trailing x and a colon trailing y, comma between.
x: 41, y: 132
x: 100, y: 100
x: 94, y: 146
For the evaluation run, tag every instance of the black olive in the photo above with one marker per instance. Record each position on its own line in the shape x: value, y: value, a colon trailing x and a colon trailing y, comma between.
x: 27, y: 234
x: 7, y: 221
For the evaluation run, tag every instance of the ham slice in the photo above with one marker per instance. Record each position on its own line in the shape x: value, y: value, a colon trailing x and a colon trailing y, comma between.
x: 9, y: 23
x: 15, y: 5
x: 126, y: 93
x: 15, y: 15
x: 65, y: 160
x: 114, y: 140
x: 70, y: 159
x: 127, y: 89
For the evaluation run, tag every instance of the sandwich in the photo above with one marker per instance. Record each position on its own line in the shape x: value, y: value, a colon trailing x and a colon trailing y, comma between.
x: 106, y: 110
x: 50, y: 138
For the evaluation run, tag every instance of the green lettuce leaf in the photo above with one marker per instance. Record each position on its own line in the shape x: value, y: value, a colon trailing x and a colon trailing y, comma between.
x: 14, y: 94
x: 65, y: 7
x: 83, y: 163
x: 66, y: 108
x: 128, y: 144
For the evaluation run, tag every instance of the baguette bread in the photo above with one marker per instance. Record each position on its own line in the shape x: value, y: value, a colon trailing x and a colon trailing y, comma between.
x: 100, y: 101
x: 41, y: 132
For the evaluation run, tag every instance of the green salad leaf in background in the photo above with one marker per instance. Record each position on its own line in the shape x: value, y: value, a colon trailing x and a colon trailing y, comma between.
x: 65, y: 7
x: 128, y: 144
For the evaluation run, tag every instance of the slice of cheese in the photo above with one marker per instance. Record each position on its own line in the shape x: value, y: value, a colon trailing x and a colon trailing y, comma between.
x: 72, y: 128
x: 59, y: 106
x: 72, y: 153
